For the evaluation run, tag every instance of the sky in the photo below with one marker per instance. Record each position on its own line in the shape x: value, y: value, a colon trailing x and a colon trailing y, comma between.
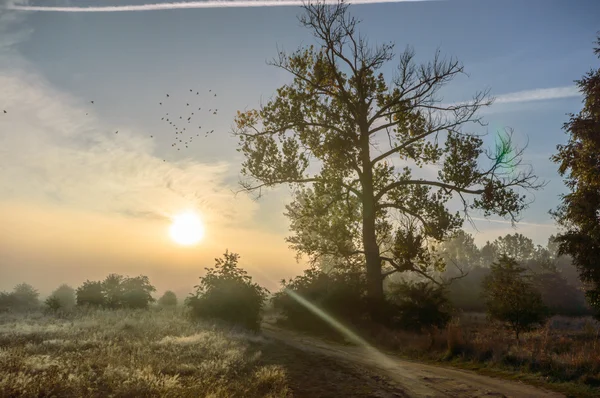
x: 79, y: 200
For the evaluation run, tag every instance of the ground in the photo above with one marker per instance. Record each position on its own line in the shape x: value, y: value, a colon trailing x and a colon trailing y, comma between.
x: 161, y: 353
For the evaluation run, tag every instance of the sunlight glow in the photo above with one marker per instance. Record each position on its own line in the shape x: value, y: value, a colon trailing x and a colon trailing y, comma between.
x: 187, y: 229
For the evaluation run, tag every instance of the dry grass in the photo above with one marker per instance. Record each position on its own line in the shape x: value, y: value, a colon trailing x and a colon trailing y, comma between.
x: 564, y: 350
x: 131, y: 353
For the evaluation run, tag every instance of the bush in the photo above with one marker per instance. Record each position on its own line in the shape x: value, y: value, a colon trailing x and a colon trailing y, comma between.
x: 23, y: 297
x: 136, y: 292
x: 90, y: 294
x: 62, y: 298
x: 117, y: 291
x: 227, y: 293
x: 112, y: 289
x: 7, y: 302
x: 340, y: 295
x: 168, y: 299
x: 421, y: 307
x: 511, y: 297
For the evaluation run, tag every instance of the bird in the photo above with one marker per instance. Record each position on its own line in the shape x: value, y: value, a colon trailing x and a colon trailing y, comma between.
x: 210, y: 110
x: 5, y: 111
x: 209, y: 91
x: 189, y: 118
x: 192, y: 113
x: 215, y: 95
x: 162, y: 118
x: 187, y: 104
x: 160, y: 103
x: 197, y: 93
x: 190, y: 90
x: 85, y: 113
x: 180, y: 117
x: 167, y: 113
x: 199, y: 109
x: 92, y: 102
x: 116, y: 131
x: 167, y: 95
x: 151, y: 136
x: 214, y: 113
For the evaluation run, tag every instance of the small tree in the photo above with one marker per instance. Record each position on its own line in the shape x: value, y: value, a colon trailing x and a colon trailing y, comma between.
x: 511, y: 298
x: 227, y: 293
x: 422, y: 307
x: 168, y: 299
x: 7, y: 301
x: 136, y: 292
x: 65, y: 295
x: 112, y: 288
x: 91, y: 294
x: 25, y: 297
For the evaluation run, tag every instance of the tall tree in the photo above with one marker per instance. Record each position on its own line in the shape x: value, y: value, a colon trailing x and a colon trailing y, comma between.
x: 349, y: 139
x: 579, y: 162
x: 516, y: 246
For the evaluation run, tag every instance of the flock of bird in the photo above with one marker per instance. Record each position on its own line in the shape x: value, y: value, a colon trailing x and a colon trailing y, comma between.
x: 186, y: 126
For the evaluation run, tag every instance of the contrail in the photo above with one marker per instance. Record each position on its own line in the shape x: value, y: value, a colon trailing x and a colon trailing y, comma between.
x: 539, y: 94
x: 517, y: 223
x: 193, y: 4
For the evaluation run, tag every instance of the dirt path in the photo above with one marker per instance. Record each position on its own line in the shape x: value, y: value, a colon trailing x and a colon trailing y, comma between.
x: 412, y: 379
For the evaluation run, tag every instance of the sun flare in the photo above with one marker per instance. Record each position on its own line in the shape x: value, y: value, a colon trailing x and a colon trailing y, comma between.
x: 187, y: 229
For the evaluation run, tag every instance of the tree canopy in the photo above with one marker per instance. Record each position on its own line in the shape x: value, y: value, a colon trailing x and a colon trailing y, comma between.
x: 351, y: 141
x: 579, y: 164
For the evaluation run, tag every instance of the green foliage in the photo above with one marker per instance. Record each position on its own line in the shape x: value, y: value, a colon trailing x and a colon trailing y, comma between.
x: 117, y: 291
x: 112, y: 289
x: 136, y: 292
x: 63, y: 298
x: 168, y: 299
x: 227, y: 293
x: 90, y: 294
x: 24, y: 297
x: 511, y: 297
x: 318, y: 134
x: 579, y: 164
x: 7, y: 302
x: 339, y: 294
x: 516, y: 246
x: 422, y: 307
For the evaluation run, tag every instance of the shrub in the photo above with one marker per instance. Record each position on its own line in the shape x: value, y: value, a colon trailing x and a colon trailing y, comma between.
x: 511, y: 297
x: 168, y: 299
x: 421, y: 307
x: 136, y: 292
x: 112, y: 289
x: 339, y: 294
x: 91, y: 294
x: 7, y: 301
x: 227, y: 293
x: 62, y: 298
x: 25, y: 297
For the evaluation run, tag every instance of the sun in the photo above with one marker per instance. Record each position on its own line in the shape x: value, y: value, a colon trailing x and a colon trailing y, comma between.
x: 187, y: 229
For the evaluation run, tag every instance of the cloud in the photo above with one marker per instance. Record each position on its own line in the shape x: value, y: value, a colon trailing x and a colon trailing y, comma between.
x: 540, y: 94
x: 189, y: 5
x: 53, y: 149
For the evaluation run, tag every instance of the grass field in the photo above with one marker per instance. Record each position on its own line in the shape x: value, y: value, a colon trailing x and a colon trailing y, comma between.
x: 160, y: 354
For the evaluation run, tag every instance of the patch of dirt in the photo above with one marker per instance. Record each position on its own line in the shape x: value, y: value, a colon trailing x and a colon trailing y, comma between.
x: 325, y: 369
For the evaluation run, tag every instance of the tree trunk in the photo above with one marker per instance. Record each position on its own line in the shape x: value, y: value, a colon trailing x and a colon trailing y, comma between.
x: 373, y: 265
x: 375, y: 296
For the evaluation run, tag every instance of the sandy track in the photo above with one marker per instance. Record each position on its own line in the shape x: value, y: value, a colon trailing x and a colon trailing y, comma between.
x: 414, y: 379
